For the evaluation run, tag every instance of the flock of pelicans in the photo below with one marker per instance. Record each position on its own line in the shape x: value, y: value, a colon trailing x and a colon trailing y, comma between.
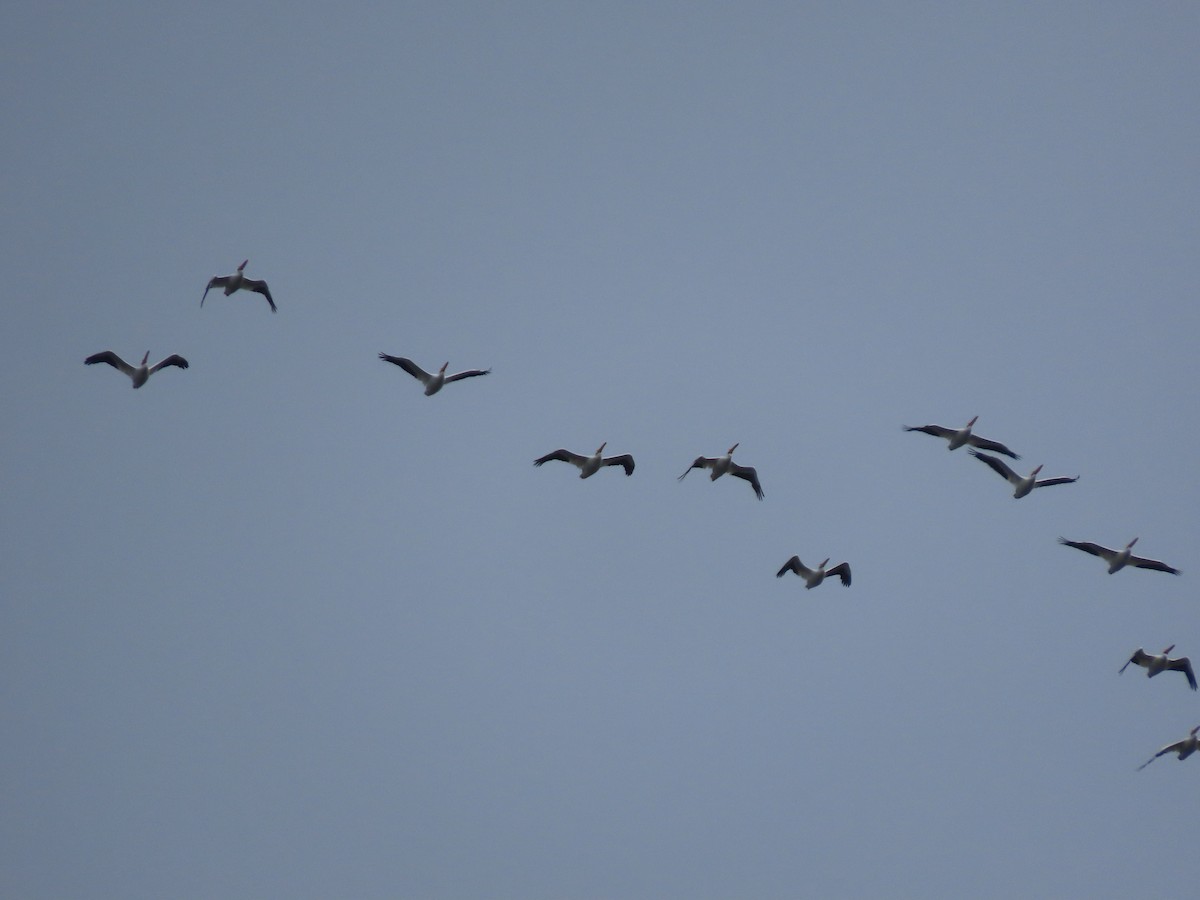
x: 589, y: 465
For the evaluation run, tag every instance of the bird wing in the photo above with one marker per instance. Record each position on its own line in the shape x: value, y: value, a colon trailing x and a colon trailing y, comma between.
x: 623, y: 460
x: 1139, y: 658
x: 563, y: 456
x: 994, y: 446
x: 699, y: 462
x: 112, y: 359
x: 1184, y: 665
x: 997, y: 466
x: 173, y: 360
x: 1089, y: 547
x: 408, y: 366
x: 1062, y: 479
x: 218, y: 281
x: 793, y: 565
x: 935, y: 430
x: 1142, y: 563
x: 469, y: 373
x: 842, y: 570
x: 749, y: 474
x: 259, y: 287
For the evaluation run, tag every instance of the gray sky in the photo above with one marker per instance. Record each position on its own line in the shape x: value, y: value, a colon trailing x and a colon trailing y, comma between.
x: 280, y: 625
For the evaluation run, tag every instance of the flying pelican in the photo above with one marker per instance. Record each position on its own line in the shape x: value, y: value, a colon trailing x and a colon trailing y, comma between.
x: 1160, y: 663
x: 239, y: 281
x: 1119, y: 559
x: 139, y: 374
x: 813, y: 577
x: 1023, y: 486
x: 963, y: 436
x: 1184, y: 748
x: 588, y: 465
x: 722, y: 464
x: 433, y: 383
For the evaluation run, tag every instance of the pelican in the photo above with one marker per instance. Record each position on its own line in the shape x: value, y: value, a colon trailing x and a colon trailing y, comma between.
x: 1184, y: 748
x: 239, y: 281
x: 1023, y: 486
x: 1160, y: 663
x: 1119, y: 559
x: 433, y: 383
x: 722, y: 464
x: 139, y: 374
x: 963, y: 436
x: 588, y: 465
x: 813, y: 577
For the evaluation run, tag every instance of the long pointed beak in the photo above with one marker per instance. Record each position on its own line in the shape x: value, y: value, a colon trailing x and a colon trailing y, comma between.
x: 824, y: 564
x: 734, y: 447
x: 446, y: 363
x: 974, y: 419
x: 1131, y: 543
x: 1168, y: 650
x: 600, y: 449
x: 146, y: 357
x: 243, y: 265
x: 1035, y: 471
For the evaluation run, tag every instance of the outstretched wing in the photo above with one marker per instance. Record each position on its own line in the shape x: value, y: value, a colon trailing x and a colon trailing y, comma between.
x: 259, y: 287
x: 842, y: 570
x: 1089, y: 547
x: 217, y: 281
x: 699, y: 462
x: 408, y: 366
x: 749, y: 474
x: 793, y: 565
x: 112, y: 359
x: 1139, y: 658
x: 173, y: 360
x: 994, y: 446
x: 996, y: 466
x: 623, y: 460
x: 1046, y: 482
x: 562, y: 456
x: 1184, y: 665
x: 469, y: 373
x: 935, y: 430
x: 1142, y: 563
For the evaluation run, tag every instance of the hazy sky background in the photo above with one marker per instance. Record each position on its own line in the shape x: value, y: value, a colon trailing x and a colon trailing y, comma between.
x: 280, y: 625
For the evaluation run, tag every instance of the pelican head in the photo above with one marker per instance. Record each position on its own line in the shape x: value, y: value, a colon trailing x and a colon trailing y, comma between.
x: 243, y: 265
x: 974, y: 419
x: 824, y: 564
x: 146, y: 357
x: 1131, y: 543
x: 1035, y: 471
x: 729, y: 452
x: 443, y: 368
x: 1168, y: 650
x: 600, y: 449
x: 1194, y: 730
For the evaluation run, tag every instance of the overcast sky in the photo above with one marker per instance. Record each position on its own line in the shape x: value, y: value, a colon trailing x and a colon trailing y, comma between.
x: 280, y: 625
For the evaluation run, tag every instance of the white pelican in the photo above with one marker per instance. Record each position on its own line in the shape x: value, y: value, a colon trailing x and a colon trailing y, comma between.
x: 1119, y: 559
x: 722, y: 464
x: 588, y: 465
x: 139, y: 374
x: 239, y: 281
x: 1023, y: 486
x: 813, y: 577
x: 433, y: 383
x: 1184, y: 748
x: 963, y: 436
x: 1160, y: 663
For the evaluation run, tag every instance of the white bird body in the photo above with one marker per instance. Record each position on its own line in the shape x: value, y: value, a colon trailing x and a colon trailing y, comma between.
x: 588, y: 465
x: 1023, y: 487
x: 1155, y: 664
x: 1184, y: 748
x: 813, y: 577
x: 721, y: 465
x: 433, y: 382
x: 140, y: 373
x: 1119, y: 559
x: 237, y: 282
x: 960, y: 436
